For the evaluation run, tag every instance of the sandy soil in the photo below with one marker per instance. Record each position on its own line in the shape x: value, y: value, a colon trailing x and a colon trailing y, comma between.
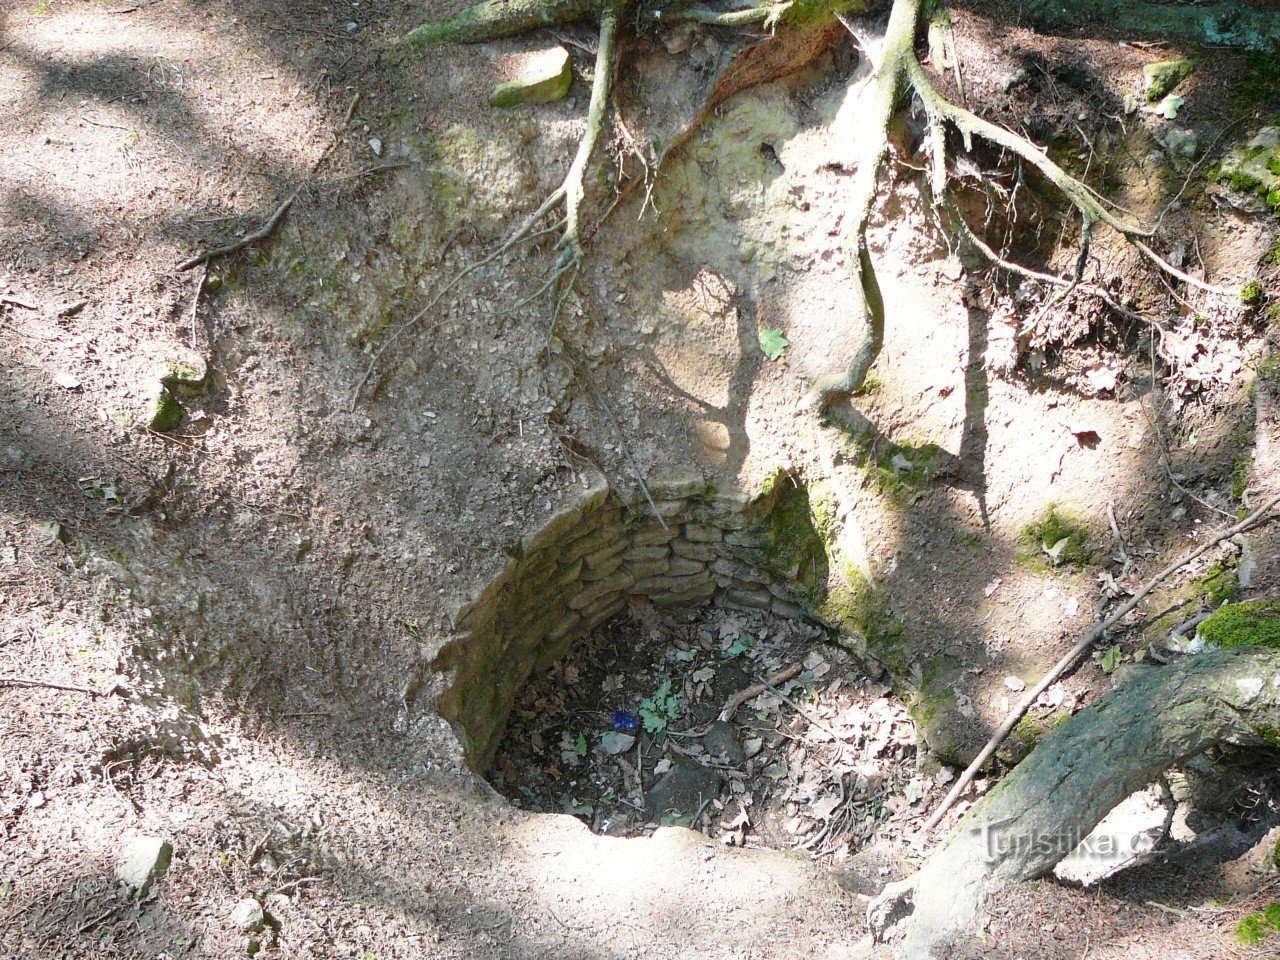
x: 251, y: 597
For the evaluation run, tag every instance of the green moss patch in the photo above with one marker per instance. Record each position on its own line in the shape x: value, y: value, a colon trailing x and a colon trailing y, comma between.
x: 1251, y: 293
x: 1257, y: 927
x: 1219, y: 582
x: 1160, y: 79
x: 1058, y: 538
x: 1253, y: 624
x: 1252, y: 170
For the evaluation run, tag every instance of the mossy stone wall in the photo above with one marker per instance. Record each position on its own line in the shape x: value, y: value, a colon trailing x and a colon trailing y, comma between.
x: 761, y: 551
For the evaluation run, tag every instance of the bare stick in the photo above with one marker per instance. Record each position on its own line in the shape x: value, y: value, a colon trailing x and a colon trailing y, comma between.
x: 50, y: 685
x: 261, y: 233
x: 1091, y: 636
x: 273, y: 221
x: 750, y: 693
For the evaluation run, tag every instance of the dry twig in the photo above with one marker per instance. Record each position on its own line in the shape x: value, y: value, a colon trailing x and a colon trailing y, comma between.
x: 1090, y: 637
x: 50, y: 685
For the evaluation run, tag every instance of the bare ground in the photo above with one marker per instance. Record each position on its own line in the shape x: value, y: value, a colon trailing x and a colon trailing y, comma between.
x: 261, y: 586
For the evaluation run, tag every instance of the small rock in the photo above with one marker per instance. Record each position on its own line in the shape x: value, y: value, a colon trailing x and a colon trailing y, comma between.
x: 679, y: 39
x: 1015, y: 684
x: 66, y: 381
x: 145, y: 860
x: 722, y: 743
x: 162, y: 411
x: 682, y: 790
x: 544, y: 77
x: 376, y: 146
x: 1160, y: 79
x: 51, y: 532
x: 1182, y: 143
x: 248, y: 916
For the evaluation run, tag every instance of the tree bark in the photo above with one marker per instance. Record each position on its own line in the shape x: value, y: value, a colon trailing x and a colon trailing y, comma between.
x: 1054, y: 798
x: 1218, y: 25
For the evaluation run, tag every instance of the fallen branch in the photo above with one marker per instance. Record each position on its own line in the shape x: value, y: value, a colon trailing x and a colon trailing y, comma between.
x: 750, y: 693
x: 1071, y: 781
x: 50, y: 685
x: 17, y: 302
x: 268, y: 228
x: 1090, y: 637
x: 248, y: 239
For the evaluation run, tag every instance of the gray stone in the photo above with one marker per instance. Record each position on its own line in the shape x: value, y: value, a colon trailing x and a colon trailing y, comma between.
x: 667, y: 509
x: 791, y: 611
x: 745, y: 538
x: 564, y: 627
x: 638, y: 554
x: 145, y: 860
x: 563, y: 520
x: 594, y: 591
x: 722, y: 744
x: 682, y: 790
x: 594, y: 541
x: 544, y: 77
x: 605, y: 568
x: 247, y: 916
x: 705, y: 552
x: 1160, y: 79
x: 698, y: 533
x: 1182, y: 142
x: 689, y: 597
x: 604, y: 609
x: 750, y: 599
x: 734, y: 569
x: 569, y: 573
x: 682, y: 567
x: 650, y: 568
x: 652, y: 585
x: 604, y: 554
x: 645, y: 536
x: 678, y: 483
x: 724, y: 520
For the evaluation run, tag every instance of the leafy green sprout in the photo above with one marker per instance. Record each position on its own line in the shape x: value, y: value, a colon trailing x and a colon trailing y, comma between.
x: 660, y: 709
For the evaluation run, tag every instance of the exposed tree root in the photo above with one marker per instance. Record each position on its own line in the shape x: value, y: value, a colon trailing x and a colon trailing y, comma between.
x: 1075, y: 777
x: 1218, y: 25
x: 898, y: 71
x: 1258, y: 518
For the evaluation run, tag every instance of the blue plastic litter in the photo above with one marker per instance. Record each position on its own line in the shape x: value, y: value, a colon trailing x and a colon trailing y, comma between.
x: 624, y: 722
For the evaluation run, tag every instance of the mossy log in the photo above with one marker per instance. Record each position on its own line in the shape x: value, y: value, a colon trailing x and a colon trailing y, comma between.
x: 1073, y: 779
x: 1218, y: 25
x: 495, y: 19
x: 1223, y: 24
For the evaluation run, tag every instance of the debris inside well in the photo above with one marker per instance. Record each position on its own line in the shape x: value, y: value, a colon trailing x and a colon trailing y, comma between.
x: 744, y: 726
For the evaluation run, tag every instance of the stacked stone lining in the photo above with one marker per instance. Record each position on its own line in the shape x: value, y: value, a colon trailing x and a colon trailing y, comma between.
x: 582, y: 568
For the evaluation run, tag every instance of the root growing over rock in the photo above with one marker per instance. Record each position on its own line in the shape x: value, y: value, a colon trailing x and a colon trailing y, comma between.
x: 1054, y: 798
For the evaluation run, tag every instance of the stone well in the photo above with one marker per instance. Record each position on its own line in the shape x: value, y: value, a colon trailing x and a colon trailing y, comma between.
x: 761, y: 551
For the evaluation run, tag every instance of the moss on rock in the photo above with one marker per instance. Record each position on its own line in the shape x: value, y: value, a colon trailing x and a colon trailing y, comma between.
x: 1252, y: 624
x: 1252, y: 171
x: 1160, y: 79
x: 1059, y: 537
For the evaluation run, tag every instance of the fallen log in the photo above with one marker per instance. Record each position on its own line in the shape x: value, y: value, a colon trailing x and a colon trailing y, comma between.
x: 1052, y: 800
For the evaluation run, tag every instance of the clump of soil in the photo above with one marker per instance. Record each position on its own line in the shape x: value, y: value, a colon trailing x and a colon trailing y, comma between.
x: 631, y: 733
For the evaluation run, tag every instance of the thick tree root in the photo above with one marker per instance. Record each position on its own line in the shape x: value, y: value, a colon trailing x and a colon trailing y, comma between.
x: 1053, y: 799
x: 495, y: 19
x: 1216, y: 25
x: 899, y: 71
